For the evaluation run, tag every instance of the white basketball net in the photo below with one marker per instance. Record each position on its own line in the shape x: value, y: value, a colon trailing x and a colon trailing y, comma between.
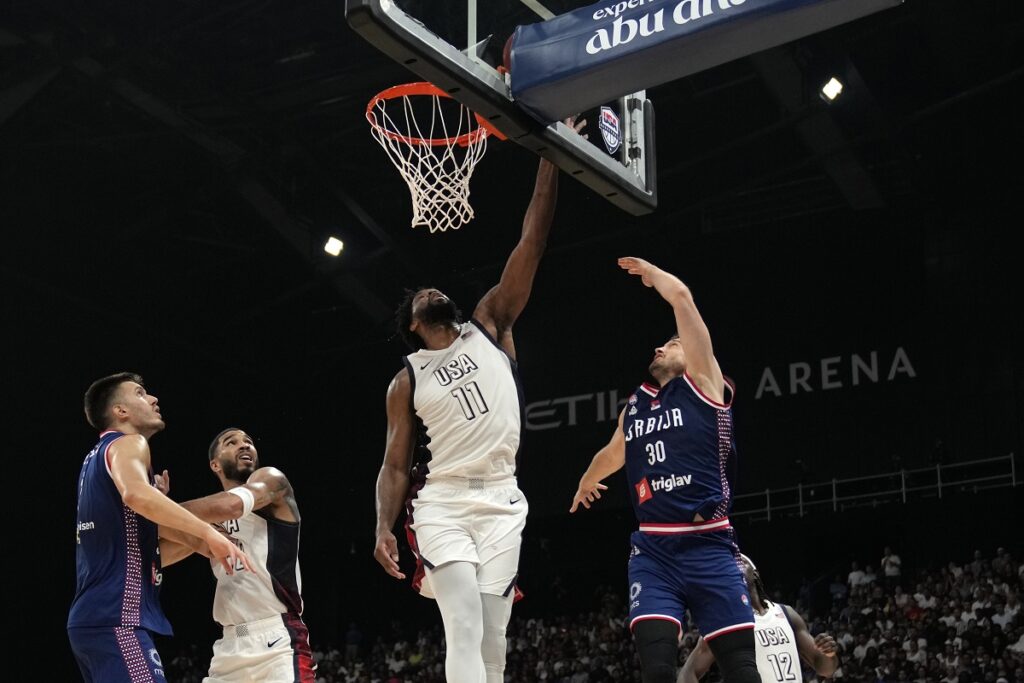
x: 436, y: 156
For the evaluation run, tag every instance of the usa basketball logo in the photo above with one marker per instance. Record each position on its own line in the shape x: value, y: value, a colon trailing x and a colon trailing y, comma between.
x: 643, y: 491
x: 608, y: 123
x: 744, y: 600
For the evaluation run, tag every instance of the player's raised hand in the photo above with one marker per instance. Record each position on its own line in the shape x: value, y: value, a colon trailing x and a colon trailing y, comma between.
x: 586, y: 494
x: 577, y: 126
x: 162, y: 482
x: 386, y: 552
x: 826, y: 645
x: 637, y: 266
x: 226, y: 552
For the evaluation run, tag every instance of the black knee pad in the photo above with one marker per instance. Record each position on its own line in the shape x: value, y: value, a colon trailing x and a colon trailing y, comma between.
x: 735, y: 655
x: 657, y: 643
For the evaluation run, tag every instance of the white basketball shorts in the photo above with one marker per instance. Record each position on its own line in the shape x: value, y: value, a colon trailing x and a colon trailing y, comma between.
x: 471, y: 520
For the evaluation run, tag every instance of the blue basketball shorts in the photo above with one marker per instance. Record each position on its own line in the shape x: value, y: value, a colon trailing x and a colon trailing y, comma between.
x: 677, y: 567
x: 116, y: 654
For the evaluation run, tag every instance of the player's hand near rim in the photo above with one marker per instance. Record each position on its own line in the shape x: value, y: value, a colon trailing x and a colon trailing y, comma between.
x: 701, y: 365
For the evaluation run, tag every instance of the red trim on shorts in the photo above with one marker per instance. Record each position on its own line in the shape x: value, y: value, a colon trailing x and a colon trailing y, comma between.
x: 661, y: 617
x: 728, y: 629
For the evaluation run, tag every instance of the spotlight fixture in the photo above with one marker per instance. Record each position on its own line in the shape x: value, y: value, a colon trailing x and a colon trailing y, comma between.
x: 831, y: 90
x: 334, y: 246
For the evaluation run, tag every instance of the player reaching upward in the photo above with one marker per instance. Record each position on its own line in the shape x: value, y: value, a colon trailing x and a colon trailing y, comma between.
x: 781, y: 637
x: 120, y: 551
x: 675, y: 440
x: 466, y: 513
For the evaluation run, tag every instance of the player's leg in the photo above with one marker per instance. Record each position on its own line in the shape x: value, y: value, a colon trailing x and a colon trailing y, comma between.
x: 117, y: 655
x: 657, y: 645
x: 720, y: 601
x: 496, y: 610
x: 454, y: 587
x: 656, y: 609
x: 498, y: 535
x: 737, y: 660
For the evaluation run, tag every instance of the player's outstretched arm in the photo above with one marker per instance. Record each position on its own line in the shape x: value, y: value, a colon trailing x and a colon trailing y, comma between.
x: 693, y: 333
x: 393, y: 480
x: 821, y: 652
x: 607, y: 462
x: 129, y: 469
x: 697, y: 664
x: 172, y: 552
x: 501, y: 306
x: 268, y: 486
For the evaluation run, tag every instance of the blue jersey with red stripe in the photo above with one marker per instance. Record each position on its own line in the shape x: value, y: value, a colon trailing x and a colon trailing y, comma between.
x: 679, y: 452
x: 117, y: 554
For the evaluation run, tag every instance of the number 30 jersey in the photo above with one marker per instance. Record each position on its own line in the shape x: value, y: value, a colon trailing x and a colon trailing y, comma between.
x: 469, y: 400
x: 679, y: 453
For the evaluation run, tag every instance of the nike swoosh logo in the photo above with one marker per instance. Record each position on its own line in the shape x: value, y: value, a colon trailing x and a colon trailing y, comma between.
x: 424, y: 365
x: 274, y: 642
x: 513, y: 502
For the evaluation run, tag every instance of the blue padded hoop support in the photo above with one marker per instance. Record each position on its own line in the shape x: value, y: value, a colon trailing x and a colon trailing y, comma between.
x: 597, y: 53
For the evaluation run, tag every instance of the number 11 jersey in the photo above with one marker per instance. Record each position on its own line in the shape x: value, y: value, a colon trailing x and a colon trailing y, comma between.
x: 469, y: 401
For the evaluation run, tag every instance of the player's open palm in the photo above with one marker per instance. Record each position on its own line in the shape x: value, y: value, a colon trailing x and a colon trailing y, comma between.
x: 826, y: 644
x: 226, y: 552
x: 586, y: 494
x: 637, y: 266
x: 386, y: 552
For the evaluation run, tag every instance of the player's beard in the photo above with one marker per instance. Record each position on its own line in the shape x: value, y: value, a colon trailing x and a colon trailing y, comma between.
x: 443, y: 313
x: 232, y: 472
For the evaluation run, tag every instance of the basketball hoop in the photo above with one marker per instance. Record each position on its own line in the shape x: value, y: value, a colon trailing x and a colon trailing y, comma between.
x: 435, y: 154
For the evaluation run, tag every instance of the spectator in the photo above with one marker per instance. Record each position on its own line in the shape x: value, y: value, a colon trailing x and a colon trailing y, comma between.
x: 892, y: 567
x: 856, y: 577
x: 837, y: 589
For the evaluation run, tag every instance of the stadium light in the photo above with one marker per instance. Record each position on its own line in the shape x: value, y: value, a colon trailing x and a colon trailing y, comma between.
x: 334, y: 246
x: 831, y: 90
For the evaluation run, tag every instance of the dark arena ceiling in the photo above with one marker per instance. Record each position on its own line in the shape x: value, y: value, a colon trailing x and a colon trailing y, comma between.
x: 209, y: 148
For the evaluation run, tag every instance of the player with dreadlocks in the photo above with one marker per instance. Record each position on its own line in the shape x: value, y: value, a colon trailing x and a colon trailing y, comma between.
x: 781, y: 640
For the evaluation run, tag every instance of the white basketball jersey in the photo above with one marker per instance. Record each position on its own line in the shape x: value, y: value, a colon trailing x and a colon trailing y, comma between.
x: 468, y: 398
x: 777, y: 657
x: 274, y: 586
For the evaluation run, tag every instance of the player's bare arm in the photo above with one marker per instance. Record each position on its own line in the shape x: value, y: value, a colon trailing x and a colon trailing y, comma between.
x: 269, y: 488
x: 393, y: 480
x: 821, y: 652
x: 693, y: 333
x: 174, y: 551
x: 502, y: 305
x: 605, y: 463
x: 129, y: 468
x: 697, y: 664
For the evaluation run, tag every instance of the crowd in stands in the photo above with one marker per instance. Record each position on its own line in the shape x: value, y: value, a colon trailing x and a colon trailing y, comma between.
x: 960, y: 623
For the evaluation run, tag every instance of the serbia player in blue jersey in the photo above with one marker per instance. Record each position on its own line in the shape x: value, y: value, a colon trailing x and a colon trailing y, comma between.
x: 675, y: 440
x: 120, y: 550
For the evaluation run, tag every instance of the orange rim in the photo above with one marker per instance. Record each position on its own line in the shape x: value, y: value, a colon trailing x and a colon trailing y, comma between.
x: 425, y: 89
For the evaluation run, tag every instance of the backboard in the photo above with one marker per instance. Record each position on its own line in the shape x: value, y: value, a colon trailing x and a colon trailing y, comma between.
x: 457, y: 45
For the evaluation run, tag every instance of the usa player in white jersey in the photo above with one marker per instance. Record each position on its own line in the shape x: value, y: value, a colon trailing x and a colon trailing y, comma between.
x: 781, y: 640
x: 265, y: 638
x: 465, y: 512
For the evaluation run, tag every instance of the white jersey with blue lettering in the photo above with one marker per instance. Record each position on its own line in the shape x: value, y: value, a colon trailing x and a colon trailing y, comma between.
x: 470, y: 403
x: 778, y: 660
